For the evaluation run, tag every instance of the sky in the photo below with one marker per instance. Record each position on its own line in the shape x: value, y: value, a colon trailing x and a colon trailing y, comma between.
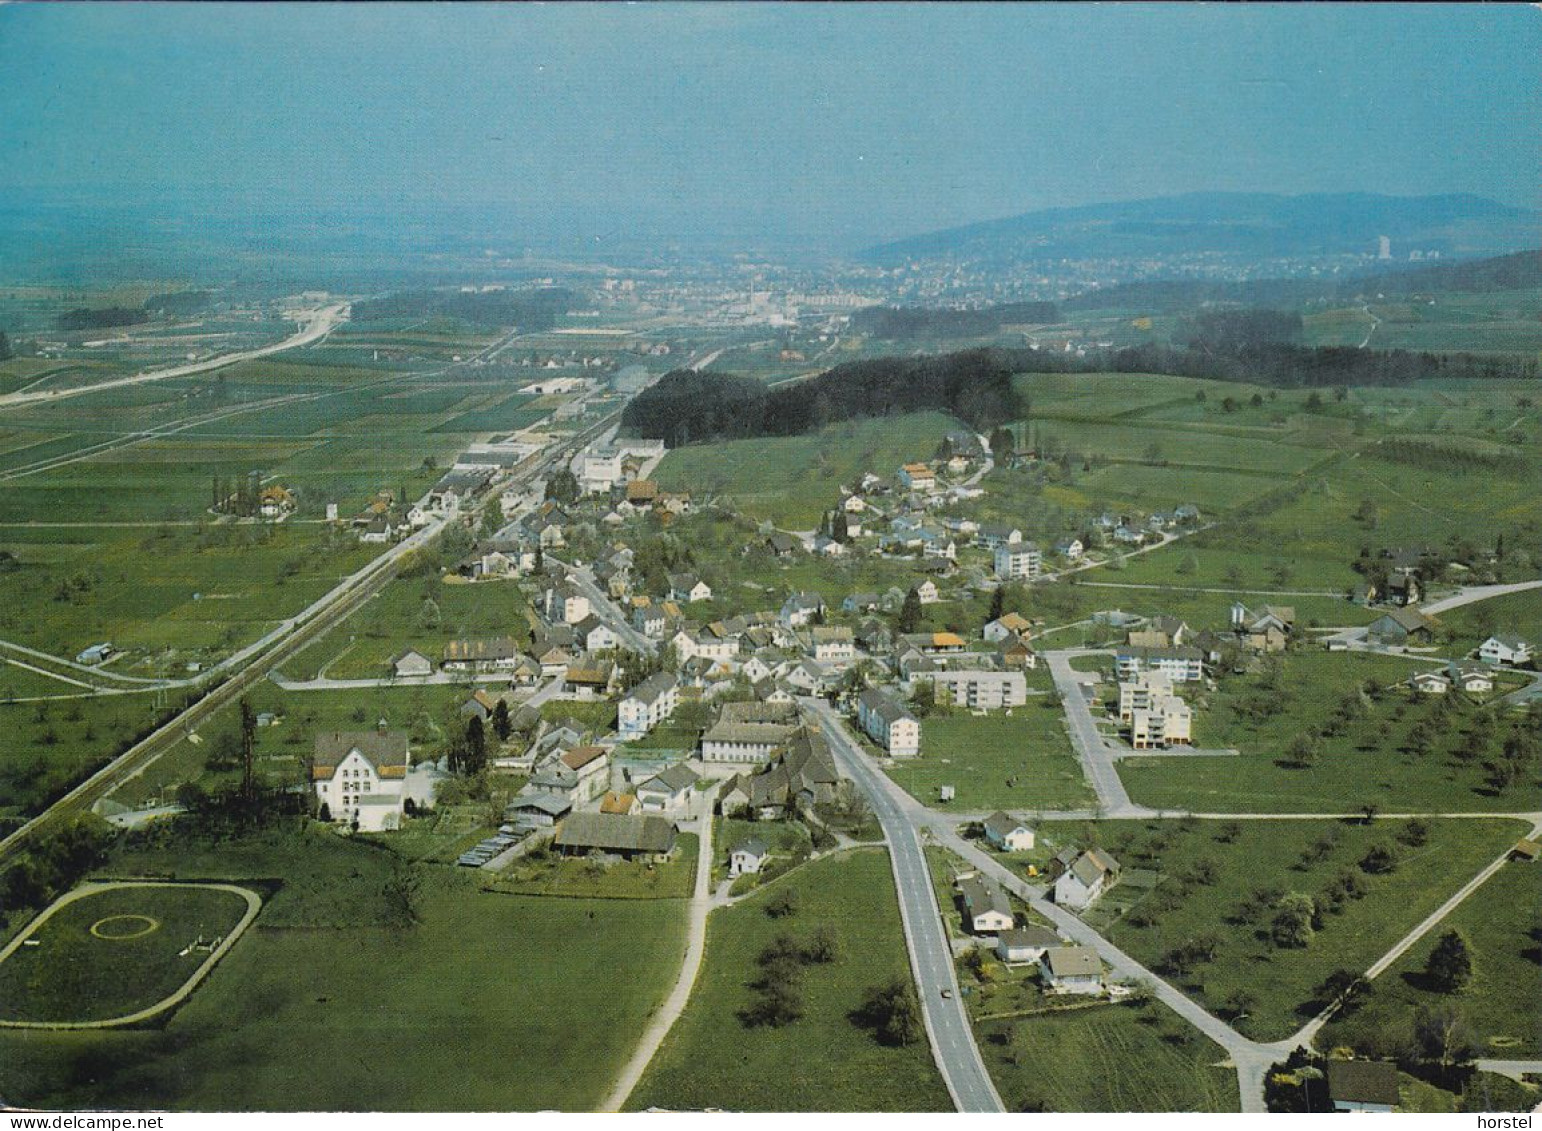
x: 841, y: 123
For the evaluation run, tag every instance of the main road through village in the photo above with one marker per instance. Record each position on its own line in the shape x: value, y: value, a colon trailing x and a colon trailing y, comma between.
x: 931, y: 955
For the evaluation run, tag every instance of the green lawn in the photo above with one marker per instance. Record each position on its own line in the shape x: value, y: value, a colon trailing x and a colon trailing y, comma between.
x: 1106, y: 1058
x: 822, y: 1062
x: 793, y: 480
x: 486, y: 1005
x: 1021, y: 760
x: 1226, y: 889
x: 1501, y: 922
x: 114, y: 952
x: 1371, y: 759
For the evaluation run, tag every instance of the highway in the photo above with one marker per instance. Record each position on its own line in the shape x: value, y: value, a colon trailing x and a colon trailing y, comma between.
x: 931, y: 955
x: 318, y: 324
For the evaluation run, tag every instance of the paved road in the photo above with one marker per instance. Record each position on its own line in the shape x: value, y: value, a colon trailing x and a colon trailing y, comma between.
x: 1097, y: 760
x: 319, y: 323
x: 1475, y: 593
x: 604, y: 608
x: 695, y: 948
x: 931, y: 956
x: 1514, y: 1069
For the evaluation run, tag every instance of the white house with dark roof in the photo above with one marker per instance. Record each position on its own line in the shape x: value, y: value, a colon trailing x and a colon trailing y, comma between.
x: 1071, y: 970
x: 1088, y: 877
x: 986, y: 907
x: 748, y: 858
x: 889, y: 723
x: 1506, y: 648
x: 668, y: 791
x: 1025, y: 944
x: 359, y: 776
x: 647, y: 705
x: 1008, y: 833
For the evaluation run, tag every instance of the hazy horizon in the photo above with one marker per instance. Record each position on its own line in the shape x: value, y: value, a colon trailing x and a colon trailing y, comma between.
x: 819, y: 124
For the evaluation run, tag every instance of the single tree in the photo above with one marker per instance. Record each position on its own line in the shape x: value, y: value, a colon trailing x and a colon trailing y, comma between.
x: 910, y: 612
x: 1449, y: 968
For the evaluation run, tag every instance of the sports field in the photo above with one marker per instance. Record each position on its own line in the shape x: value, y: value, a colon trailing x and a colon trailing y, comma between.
x: 117, y: 953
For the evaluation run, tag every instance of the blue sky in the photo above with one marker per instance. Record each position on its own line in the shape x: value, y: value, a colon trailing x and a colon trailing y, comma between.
x: 848, y: 123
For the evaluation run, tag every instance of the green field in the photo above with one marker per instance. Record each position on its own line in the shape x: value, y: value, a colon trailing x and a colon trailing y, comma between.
x: 1372, y: 758
x: 50, y: 746
x: 1222, y: 883
x: 425, y: 1018
x: 1501, y: 922
x: 822, y: 1062
x: 1021, y: 760
x: 111, y: 953
x: 793, y: 480
x: 1106, y: 1058
x: 363, y: 646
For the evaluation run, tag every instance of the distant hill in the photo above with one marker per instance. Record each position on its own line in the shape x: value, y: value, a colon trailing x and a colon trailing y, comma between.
x: 1238, y: 226
x: 1519, y: 271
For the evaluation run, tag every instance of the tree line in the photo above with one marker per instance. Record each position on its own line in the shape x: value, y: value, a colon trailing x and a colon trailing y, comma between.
x: 687, y: 407
x: 975, y: 385
x: 907, y: 323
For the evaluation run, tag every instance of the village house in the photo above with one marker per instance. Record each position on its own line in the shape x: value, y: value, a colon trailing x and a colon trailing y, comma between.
x: 1025, y: 944
x: 647, y: 705
x: 1006, y: 627
x: 1071, y: 549
x: 781, y: 545
x: 1363, y: 1085
x: 889, y: 724
x: 1506, y: 648
x: 917, y: 477
x: 1403, y: 588
x: 1071, y: 970
x: 688, y: 587
x: 1401, y: 628
x: 587, y: 679
x: 927, y: 593
x: 359, y: 777
x: 1008, y: 833
x: 1430, y: 683
x: 801, y: 608
x: 482, y: 657
x: 994, y: 535
x: 986, y: 907
x: 748, y: 858
x: 832, y: 644
x: 1089, y: 876
x: 1472, y: 680
x: 668, y: 791
x: 412, y: 663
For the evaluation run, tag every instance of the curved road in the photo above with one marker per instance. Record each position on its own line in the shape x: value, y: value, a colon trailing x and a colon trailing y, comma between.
x: 931, y: 955
x: 319, y: 324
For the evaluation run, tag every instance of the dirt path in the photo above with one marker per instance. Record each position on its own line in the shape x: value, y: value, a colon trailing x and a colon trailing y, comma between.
x: 695, y: 949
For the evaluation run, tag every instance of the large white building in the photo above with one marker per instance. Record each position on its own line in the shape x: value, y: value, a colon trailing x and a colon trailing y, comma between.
x: 601, y: 470
x: 889, y: 724
x: 1154, y: 714
x: 647, y: 705
x: 980, y: 690
x: 1019, y: 561
x: 359, y: 776
x: 1181, y: 665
